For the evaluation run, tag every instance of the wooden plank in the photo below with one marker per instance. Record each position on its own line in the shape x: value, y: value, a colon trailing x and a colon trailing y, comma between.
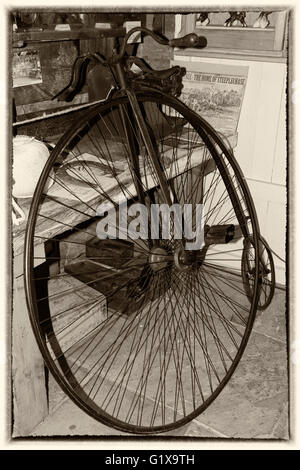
x: 78, y: 322
x: 188, y: 23
x: 33, y: 109
x: 30, y: 405
x: 236, y: 54
x: 47, y: 127
x: 234, y: 28
x: 238, y: 38
x: 270, y: 203
x: 279, y: 172
x: 54, y: 35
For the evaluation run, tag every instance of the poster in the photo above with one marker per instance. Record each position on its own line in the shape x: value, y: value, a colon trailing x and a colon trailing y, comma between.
x: 26, y: 68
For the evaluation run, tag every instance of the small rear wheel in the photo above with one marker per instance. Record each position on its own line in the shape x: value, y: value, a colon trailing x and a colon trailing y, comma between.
x: 266, y: 276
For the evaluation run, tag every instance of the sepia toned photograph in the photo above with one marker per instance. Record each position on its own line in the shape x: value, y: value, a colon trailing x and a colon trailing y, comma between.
x: 149, y: 224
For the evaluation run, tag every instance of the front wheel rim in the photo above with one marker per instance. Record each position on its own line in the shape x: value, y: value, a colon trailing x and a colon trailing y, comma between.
x: 182, y: 279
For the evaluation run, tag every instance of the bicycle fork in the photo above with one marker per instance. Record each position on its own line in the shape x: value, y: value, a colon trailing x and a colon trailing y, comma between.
x: 149, y: 146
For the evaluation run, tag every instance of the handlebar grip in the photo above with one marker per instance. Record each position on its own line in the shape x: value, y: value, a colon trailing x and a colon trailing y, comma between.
x: 190, y: 40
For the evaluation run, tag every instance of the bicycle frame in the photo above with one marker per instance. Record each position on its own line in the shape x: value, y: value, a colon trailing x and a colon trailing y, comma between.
x: 126, y: 85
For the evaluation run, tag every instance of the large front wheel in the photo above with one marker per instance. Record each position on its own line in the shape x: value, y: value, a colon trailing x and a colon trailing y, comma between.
x: 141, y: 333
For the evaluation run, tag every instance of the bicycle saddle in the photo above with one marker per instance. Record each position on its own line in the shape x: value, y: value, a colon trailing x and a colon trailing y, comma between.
x: 163, y: 74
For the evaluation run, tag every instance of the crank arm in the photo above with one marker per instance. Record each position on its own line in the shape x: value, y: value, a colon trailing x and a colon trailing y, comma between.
x: 220, y: 234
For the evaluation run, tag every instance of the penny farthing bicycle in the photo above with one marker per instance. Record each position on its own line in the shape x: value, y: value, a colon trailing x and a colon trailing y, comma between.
x: 143, y: 333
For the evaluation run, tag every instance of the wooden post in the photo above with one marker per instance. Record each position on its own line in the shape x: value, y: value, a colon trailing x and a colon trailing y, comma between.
x: 280, y: 30
x: 30, y: 405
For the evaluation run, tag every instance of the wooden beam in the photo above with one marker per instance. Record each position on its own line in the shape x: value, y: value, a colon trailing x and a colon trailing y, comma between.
x: 54, y: 35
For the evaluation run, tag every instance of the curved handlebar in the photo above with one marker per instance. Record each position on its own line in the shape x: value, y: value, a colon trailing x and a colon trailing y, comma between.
x: 190, y: 40
x: 81, y: 63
